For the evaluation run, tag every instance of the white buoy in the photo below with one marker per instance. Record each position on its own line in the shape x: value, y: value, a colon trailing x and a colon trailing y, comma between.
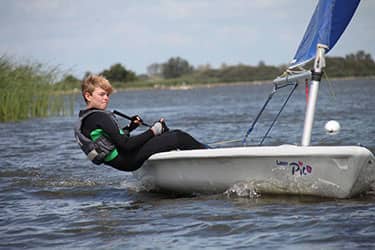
x: 332, y: 127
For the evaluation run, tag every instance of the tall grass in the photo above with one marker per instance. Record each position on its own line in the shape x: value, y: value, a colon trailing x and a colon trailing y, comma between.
x: 27, y: 91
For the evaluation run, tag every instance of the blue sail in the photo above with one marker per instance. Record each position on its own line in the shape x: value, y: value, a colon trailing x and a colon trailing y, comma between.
x: 327, y: 24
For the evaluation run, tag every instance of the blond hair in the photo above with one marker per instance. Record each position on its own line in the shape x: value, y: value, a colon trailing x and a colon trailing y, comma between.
x: 93, y: 81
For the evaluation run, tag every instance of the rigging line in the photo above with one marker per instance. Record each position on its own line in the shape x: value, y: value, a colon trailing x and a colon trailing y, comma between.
x: 275, y: 88
x: 224, y: 142
x: 278, y: 114
x: 307, y: 91
x: 258, y: 115
x: 330, y: 86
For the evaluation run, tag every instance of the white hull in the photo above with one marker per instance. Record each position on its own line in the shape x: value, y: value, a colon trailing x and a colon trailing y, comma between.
x: 328, y: 171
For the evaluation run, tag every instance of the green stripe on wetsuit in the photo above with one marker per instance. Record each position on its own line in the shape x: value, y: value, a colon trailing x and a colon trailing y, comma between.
x: 96, y: 134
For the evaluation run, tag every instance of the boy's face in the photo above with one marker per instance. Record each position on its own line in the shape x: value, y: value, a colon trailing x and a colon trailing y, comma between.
x: 98, y: 99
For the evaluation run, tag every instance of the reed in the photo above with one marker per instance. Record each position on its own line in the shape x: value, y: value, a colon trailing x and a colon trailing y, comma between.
x: 28, y: 91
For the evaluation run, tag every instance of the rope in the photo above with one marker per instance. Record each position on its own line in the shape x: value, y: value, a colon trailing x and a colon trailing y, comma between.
x: 278, y: 114
x: 258, y: 115
x: 307, y: 90
x: 224, y: 142
x: 286, y: 74
x: 330, y: 86
x: 276, y: 87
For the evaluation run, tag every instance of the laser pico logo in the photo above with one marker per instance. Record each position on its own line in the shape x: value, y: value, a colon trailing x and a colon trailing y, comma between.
x: 297, y: 167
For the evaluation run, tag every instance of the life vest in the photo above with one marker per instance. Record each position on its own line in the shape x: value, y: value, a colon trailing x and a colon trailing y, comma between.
x: 99, y: 149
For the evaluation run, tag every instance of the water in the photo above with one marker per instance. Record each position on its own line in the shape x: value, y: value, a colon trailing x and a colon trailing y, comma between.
x: 51, y: 197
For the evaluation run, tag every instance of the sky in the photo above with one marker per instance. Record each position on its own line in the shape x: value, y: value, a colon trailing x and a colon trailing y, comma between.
x: 91, y: 35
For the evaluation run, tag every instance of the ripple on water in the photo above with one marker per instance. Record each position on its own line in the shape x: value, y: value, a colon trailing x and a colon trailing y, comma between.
x: 52, y: 197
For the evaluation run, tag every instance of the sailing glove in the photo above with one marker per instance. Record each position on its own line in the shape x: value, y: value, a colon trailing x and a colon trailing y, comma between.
x: 157, y: 128
x: 165, y: 128
x: 135, y: 122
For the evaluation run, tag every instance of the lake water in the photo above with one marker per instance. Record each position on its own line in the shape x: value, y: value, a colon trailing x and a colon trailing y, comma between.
x: 51, y: 197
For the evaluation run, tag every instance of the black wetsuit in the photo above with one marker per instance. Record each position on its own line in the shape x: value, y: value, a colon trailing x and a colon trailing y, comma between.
x: 133, y: 151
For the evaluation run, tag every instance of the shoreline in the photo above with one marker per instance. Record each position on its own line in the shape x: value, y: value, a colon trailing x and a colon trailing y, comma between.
x: 185, y: 86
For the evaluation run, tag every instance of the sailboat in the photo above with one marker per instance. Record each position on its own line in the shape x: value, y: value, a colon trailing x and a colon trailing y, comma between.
x: 325, y: 171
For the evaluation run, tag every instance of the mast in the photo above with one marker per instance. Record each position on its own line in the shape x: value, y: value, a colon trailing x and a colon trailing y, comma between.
x: 316, y: 76
x: 329, y: 20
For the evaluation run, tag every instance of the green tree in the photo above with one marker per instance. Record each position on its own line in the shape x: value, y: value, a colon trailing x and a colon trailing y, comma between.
x: 118, y: 73
x: 70, y: 78
x: 87, y: 73
x: 154, y: 69
x: 176, y: 67
x: 68, y: 82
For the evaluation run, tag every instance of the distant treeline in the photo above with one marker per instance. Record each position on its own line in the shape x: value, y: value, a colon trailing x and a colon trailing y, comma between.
x: 31, y: 90
x: 178, y: 70
x: 352, y: 65
x: 358, y: 64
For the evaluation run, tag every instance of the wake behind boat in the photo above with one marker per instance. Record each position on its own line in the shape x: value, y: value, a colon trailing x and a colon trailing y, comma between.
x: 328, y: 171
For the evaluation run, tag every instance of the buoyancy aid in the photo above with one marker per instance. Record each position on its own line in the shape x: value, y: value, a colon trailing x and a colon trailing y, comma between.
x: 98, y: 148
